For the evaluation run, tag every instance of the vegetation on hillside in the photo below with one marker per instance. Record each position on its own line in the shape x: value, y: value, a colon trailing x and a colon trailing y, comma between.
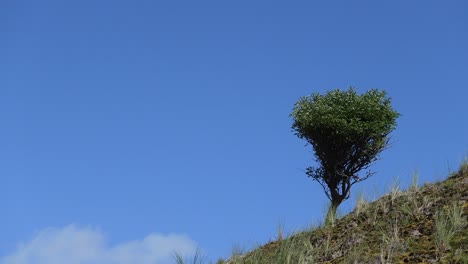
x: 423, y: 224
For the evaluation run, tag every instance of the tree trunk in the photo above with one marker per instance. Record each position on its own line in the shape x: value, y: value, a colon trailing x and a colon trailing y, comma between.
x: 331, y: 214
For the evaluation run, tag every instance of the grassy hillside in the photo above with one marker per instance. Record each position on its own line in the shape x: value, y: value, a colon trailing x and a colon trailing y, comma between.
x: 425, y: 224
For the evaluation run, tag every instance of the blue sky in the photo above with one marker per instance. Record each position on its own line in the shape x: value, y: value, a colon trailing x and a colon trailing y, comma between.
x: 165, y: 125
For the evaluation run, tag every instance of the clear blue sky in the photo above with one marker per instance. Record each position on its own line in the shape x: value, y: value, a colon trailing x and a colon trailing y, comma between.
x: 129, y: 121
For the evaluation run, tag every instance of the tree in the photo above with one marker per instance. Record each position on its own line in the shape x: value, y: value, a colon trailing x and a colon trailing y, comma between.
x: 347, y: 132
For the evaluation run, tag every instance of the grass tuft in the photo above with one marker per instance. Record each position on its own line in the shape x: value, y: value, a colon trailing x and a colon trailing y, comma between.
x: 197, y: 258
x: 447, y: 223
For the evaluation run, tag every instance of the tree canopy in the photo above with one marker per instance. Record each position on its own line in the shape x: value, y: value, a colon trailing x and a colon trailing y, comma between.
x: 347, y: 131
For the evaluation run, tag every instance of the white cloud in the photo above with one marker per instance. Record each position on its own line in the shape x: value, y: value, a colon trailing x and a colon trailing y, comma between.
x: 74, y: 245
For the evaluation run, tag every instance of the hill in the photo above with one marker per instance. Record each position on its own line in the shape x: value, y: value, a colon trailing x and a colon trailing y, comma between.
x: 426, y: 224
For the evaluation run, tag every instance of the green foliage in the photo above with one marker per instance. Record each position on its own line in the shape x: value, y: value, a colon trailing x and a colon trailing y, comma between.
x: 347, y: 132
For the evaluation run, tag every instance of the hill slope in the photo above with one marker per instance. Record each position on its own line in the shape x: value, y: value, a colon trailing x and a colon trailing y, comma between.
x: 425, y: 224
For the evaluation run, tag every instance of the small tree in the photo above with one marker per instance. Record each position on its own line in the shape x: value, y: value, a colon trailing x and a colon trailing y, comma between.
x: 347, y: 132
